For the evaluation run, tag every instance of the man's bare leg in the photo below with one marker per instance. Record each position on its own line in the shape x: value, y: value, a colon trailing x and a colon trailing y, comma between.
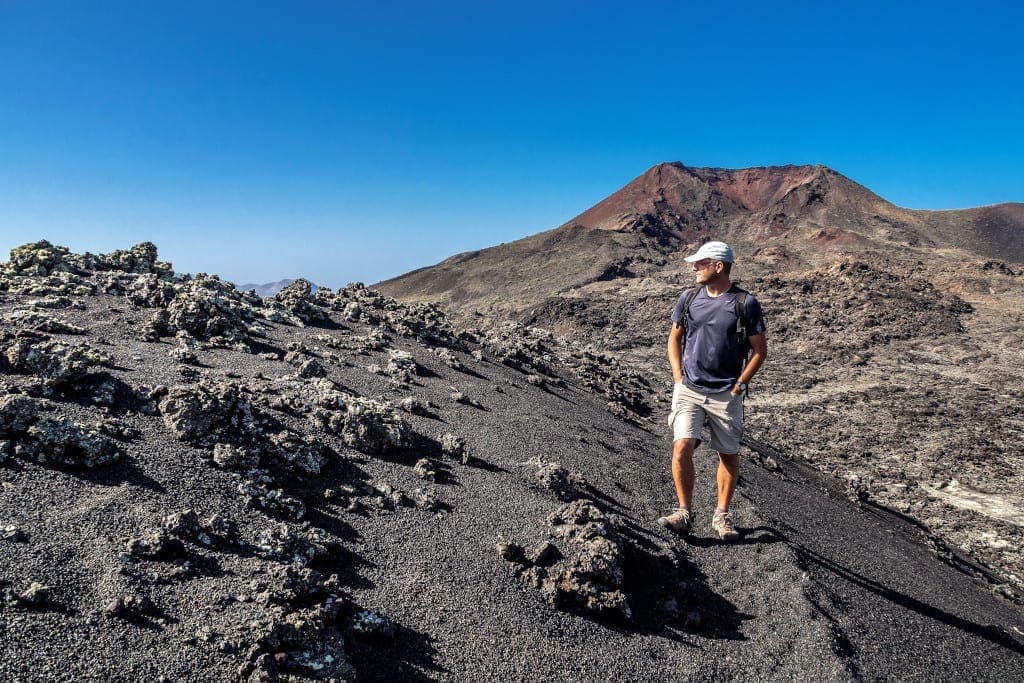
x: 682, y: 470
x: 728, y: 476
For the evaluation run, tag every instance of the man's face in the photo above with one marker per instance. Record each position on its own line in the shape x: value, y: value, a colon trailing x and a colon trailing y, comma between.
x: 704, y: 270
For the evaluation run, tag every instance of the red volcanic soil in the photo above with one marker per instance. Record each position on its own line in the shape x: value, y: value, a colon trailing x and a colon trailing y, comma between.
x: 756, y: 189
x: 680, y: 195
x: 828, y: 237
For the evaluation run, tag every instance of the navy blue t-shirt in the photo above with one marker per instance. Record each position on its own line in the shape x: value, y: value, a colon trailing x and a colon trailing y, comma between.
x: 712, y: 358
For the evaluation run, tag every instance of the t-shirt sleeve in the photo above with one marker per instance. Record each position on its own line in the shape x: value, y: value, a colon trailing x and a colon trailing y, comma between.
x: 677, y: 311
x: 755, y: 316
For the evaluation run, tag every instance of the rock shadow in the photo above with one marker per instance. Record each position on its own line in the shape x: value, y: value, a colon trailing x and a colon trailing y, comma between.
x: 429, y: 447
x: 670, y: 597
x: 466, y: 370
x: 989, y: 632
x: 348, y: 565
x: 321, y: 518
x: 409, y: 656
x: 100, y: 389
x: 153, y: 618
x: 748, y: 536
x: 124, y: 471
x: 257, y: 346
x: 327, y: 323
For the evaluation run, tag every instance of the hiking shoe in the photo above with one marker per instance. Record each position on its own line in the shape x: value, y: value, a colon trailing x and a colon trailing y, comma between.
x: 723, y: 527
x: 679, y: 521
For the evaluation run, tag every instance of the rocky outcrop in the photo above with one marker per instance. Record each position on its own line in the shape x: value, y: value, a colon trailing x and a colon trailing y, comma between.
x: 54, y: 362
x: 49, y: 441
x: 586, y: 572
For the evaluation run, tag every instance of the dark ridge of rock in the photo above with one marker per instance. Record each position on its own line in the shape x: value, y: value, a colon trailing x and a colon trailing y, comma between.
x: 258, y: 493
x: 52, y: 441
x: 536, y: 350
x: 213, y: 310
x: 43, y: 258
x: 67, y: 443
x: 367, y: 425
x: 301, y: 642
x: 286, y: 544
x: 17, y: 414
x: 33, y: 321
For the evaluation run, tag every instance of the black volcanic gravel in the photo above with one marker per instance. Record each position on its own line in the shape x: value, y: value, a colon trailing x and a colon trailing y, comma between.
x: 389, y: 573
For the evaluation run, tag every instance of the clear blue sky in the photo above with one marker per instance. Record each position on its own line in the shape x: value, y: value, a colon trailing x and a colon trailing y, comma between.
x: 347, y: 141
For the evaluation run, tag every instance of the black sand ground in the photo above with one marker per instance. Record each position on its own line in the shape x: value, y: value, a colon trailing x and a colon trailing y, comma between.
x: 817, y: 588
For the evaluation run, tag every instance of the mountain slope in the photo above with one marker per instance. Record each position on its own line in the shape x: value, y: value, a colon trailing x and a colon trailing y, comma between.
x: 314, y: 486
x: 887, y: 327
x: 796, y: 214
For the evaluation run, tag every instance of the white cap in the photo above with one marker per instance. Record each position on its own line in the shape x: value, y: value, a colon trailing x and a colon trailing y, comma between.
x: 716, y: 251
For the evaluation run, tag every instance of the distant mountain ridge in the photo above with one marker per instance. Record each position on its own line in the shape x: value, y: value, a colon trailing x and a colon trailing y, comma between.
x: 271, y: 288
x: 788, y: 214
x: 764, y: 203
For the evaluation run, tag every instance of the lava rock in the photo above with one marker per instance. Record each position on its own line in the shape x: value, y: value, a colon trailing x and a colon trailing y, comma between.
x: 208, y: 413
x: 67, y: 443
x: 284, y: 543
x: 36, y: 594
x: 558, y: 480
x: 129, y: 607
x: 370, y: 625
x: 55, y: 362
x: 425, y: 469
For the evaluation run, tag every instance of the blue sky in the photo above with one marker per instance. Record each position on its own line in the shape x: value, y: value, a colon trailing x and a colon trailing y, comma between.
x: 346, y: 141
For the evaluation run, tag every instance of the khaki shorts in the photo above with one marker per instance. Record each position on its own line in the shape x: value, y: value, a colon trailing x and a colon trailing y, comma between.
x: 723, y: 412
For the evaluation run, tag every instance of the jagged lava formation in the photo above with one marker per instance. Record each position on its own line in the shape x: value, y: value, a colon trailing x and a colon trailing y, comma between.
x: 200, y: 484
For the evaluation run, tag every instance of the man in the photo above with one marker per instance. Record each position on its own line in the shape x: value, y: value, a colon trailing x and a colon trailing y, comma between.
x: 711, y: 372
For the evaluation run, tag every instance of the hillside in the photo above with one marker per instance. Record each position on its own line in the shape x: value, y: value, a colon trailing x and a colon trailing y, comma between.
x: 893, y: 337
x: 198, y: 484
x: 788, y: 216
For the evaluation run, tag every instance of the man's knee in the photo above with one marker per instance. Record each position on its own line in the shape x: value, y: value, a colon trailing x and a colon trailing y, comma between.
x: 684, y: 448
x: 730, y: 460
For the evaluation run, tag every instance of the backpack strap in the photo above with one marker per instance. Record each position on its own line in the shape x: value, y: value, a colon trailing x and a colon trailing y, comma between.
x: 742, y: 334
x: 687, y: 302
x: 740, y: 303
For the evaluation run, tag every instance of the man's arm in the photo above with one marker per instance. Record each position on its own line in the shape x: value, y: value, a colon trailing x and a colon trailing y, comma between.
x: 759, y: 345
x: 675, y: 351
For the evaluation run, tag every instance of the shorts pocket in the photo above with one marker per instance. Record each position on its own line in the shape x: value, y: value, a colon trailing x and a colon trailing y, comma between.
x: 677, y: 390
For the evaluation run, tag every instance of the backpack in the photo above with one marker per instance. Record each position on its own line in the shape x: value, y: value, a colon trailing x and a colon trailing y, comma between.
x: 742, y: 335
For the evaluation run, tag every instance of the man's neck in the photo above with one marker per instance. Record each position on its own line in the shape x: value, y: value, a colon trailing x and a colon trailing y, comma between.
x: 719, y: 286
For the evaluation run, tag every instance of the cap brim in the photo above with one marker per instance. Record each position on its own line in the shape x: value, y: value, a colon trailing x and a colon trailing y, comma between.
x: 694, y: 258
